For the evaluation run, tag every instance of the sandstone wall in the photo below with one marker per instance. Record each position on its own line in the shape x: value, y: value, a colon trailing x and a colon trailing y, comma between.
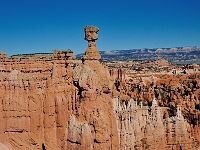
x: 37, y: 97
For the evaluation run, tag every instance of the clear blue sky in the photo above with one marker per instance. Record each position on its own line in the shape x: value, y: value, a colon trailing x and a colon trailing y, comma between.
x: 32, y: 26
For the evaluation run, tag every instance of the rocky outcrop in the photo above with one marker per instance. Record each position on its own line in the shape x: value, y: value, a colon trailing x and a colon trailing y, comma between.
x: 94, y: 122
x: 91, y: 52
x: 37, y: 97
x: 46, y: 103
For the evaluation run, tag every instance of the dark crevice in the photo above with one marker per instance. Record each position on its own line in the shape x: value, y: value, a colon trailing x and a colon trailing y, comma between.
x: 76, y: 142
x: 18, y: 131
x: 76, y: 84
x: 95, y: 141
x: 43, y: 147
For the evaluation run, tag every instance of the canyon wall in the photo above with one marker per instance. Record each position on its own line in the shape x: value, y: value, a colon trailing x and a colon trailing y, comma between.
x: 37, y: 97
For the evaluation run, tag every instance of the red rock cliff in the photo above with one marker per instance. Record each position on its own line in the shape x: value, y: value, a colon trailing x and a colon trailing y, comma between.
x: 37, y: 97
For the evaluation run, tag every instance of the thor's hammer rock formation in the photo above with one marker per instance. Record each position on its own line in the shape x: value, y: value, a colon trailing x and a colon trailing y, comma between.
x: 92, y: 52
x: 94, y: 124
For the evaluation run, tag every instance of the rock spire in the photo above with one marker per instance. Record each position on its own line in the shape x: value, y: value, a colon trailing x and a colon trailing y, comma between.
x: 91, y: 52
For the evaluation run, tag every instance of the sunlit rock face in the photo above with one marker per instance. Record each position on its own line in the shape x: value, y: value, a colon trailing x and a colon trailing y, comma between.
x: 37, y: 98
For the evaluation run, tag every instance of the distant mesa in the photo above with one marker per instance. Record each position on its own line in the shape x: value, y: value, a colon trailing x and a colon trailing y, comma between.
x: 176, y: 55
